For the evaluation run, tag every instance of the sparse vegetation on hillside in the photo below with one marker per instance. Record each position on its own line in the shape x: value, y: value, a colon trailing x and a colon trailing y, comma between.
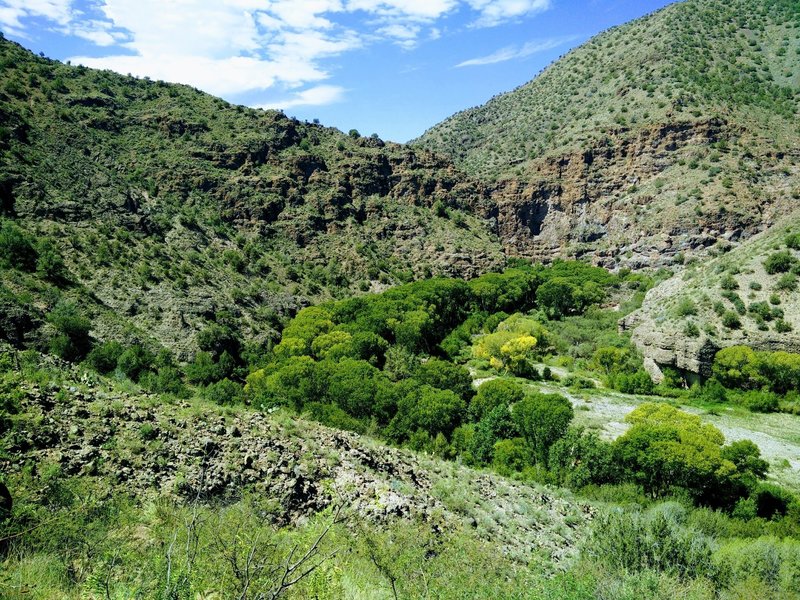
x: 685, y: 63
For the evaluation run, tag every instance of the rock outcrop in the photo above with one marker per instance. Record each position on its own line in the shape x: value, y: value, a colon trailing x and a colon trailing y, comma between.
x: 190, y: 452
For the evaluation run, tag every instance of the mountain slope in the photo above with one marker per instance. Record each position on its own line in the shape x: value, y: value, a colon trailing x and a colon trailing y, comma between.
x: 170, y: 207
x: 736, y: 298
x: 656, y: 137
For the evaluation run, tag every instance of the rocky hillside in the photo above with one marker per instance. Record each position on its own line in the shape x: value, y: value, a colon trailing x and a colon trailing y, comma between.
x: 746, y: 295
x: 650, y: 141
x: 142, y: 445
x: 168, y: 206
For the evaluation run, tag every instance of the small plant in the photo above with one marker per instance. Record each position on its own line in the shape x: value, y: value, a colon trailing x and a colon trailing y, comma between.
x: 147, y: 432
x: 779, y: 262
x: 685, y: 307
x: 729, y: 283
x: 731, y: 320
x: 782, y: 326
x: 787, y: 283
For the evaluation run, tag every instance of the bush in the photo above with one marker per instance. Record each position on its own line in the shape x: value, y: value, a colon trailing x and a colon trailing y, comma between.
x: 72, y: 342
x: 224, y: 392
x: 16, y: 248
x: 685, y: 307
x: 731, y: 320
x: 636, y: 542
x: 103, y: 358
x: 786, y: 283
x: 632, y: 383
x: 759, y: 401
x: 135, y: 361
x: 779, y: 262
x: 729, y: 283
x: 793, y: 241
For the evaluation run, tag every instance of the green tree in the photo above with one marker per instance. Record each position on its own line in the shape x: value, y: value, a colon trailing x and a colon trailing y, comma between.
x: 666, y: 448
x: 291, y: 383
x: 542, y: 419
x: 493, y: 427
x: 351, y: 384
x: 581, y: 458
x: 446, y: 376
x: 428, y: 409
x: 72, y: 340
x: 510, y: 456
x: 494, y: 393
x: 557, y: 297
x: 737, y: 367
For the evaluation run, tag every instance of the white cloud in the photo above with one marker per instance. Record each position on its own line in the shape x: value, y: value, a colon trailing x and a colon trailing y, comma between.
x: 315, y: 96
x: 516, y: 52
x: 13, y: 11
x: 495, y: 12
x: 237, y: 47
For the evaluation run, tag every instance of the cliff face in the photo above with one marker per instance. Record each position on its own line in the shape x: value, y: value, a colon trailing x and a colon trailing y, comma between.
x: 580, y: 203
x: 650, y: 142
x: 729, y: 299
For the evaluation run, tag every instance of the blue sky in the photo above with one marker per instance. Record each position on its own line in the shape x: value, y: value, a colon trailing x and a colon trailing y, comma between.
x: 391, y: 67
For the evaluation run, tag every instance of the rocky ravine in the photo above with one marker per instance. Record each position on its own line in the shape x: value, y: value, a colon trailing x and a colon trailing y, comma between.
x: 630, y: 200
x: 140, y: 445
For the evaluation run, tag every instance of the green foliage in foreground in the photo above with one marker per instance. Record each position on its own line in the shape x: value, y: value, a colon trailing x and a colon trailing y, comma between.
x: 68, y: 539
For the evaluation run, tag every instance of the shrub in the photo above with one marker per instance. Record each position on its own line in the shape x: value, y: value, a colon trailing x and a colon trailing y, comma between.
x: 731, y: 320
x: 636, y: 542
x: 224, y: 392
x: 786, y: 283
x: 638, y: 382
x: 134, y: 361
x: 166, y: 380
x: 72, y: 342
x: 685, y: 307
x: 793, y: 241
x: 49, y: 263
x: 16, y: 248
x: 779, y: 262
x: 103, y: 358
x: 729, y: 283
